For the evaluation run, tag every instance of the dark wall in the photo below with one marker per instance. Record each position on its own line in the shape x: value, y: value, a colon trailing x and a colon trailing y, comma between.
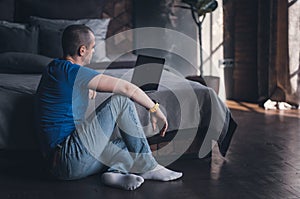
x: 161, y: 13
x: 8, y: 12
x: 149, y: 13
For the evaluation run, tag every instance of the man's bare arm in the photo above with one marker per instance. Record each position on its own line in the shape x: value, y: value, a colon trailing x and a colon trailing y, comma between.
x: 107, y: 83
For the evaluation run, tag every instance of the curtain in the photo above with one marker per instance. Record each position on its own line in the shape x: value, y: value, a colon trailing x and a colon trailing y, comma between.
x: 275, y: 73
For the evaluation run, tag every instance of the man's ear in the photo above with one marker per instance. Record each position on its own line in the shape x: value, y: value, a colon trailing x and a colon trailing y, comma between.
x: 81, y: 50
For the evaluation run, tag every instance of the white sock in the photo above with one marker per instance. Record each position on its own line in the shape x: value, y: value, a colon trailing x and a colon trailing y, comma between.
x: 161, y: 173
x: 123, y: 181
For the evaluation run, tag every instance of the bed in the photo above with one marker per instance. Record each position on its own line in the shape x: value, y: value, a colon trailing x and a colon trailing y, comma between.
x: 30, y: 33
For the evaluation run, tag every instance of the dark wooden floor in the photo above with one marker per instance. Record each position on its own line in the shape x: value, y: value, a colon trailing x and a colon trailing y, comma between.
x: 263, y: 162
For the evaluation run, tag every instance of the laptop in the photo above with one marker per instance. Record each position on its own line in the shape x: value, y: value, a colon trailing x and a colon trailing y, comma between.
x: 147, y: 72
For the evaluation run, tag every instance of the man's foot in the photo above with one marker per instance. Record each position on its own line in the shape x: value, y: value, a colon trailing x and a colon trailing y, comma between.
x: 162, y: 174
x: 123, y: 181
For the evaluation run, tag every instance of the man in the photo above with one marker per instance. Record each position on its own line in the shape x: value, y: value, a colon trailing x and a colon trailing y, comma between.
x: 75, y: 146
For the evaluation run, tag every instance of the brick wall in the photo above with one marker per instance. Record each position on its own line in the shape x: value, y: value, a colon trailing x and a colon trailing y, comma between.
x: 120, y: 13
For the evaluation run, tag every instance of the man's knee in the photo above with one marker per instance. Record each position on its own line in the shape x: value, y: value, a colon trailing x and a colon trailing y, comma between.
x: 121, y: 100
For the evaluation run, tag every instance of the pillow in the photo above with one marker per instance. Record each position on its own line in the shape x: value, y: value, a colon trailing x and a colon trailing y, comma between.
x: 18, y: 37
x: 50, y: 42
x: 16, y: 62
x: 51, y: 32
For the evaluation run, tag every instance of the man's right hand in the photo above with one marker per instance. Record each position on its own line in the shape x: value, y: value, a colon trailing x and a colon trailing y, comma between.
x: 158, y: 119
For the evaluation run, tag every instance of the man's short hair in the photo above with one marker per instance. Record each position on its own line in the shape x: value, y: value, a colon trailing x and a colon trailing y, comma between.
x: 75, y: 36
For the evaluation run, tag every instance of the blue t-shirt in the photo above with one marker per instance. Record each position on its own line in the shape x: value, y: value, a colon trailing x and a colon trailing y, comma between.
x: 62, y: 99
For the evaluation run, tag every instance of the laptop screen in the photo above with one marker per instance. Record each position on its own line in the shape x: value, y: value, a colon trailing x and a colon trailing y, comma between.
x: 147, y: 72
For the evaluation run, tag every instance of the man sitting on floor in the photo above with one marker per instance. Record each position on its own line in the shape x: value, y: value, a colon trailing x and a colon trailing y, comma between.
x: 75, y: 146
